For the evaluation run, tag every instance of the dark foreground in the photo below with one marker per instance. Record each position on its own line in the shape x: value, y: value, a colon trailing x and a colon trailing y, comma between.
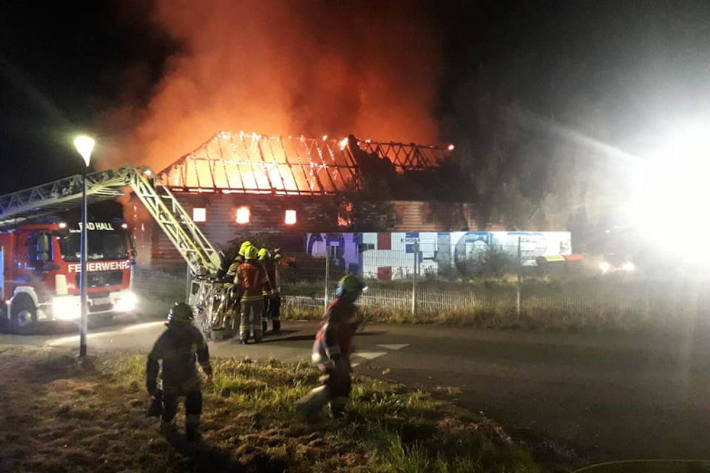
x: 62, y: 416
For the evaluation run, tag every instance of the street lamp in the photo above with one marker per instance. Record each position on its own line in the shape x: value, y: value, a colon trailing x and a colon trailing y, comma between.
x: 84, y: 145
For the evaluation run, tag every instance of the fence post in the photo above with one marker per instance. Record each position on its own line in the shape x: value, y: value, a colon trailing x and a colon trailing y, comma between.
x: 520, y: 264
x: 414, y: 277
x: 327, y: 270
x: 188, y: 282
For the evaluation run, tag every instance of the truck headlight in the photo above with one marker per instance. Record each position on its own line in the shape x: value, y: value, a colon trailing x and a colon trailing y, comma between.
x: 604, y: 266
x: 126, y: 301
x: 66, y: 307
x: 628, y: 266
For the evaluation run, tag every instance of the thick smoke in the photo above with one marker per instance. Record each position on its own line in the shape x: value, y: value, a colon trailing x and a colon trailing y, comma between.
x: 287, y: 67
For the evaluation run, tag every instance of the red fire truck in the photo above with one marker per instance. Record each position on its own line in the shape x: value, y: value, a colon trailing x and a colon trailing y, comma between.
x: 40, y: 272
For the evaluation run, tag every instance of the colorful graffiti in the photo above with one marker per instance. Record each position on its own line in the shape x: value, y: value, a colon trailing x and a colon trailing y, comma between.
x: 392, y: 255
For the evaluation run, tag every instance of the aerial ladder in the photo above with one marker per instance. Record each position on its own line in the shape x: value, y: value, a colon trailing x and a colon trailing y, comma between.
x: 204, y: 262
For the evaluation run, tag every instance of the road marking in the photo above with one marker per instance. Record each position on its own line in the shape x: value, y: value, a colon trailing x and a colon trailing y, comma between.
x: 370, y: 355
x: 394, y: 346
x: 71, y: 339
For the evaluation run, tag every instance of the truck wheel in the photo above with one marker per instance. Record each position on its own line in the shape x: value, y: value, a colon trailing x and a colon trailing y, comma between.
x: 23, y: 313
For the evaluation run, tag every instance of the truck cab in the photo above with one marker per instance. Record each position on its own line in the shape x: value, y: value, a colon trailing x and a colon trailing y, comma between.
x: 41, y: 272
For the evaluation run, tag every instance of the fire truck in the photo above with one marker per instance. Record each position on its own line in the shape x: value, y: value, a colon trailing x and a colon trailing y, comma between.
x: 40, y: 261
x: 41, y: 270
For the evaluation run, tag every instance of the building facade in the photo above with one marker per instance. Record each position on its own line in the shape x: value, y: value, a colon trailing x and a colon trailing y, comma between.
x: 237, y: 186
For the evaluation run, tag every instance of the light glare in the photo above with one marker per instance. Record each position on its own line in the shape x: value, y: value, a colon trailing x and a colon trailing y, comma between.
x: 84, y: 144
x: 671, y: 189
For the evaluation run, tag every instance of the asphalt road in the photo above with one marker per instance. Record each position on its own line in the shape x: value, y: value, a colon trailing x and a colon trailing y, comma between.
x: 620, y: 396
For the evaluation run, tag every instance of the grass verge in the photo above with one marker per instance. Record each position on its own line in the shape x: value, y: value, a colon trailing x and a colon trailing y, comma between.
x: 620, y: 303
x: 62, y: 416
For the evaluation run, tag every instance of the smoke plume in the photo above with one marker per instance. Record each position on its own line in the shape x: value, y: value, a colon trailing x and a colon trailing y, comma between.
x: 286, y: 67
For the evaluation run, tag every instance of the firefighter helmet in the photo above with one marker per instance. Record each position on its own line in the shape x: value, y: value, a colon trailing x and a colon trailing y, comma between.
x: 180, y: 312
x: 243, y: 247
x: 264, y: 254
x: 276, y: 254
x: 349, y: 285
x: 251, y: 253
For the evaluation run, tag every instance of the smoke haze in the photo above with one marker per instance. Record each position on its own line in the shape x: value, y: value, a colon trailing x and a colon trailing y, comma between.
x: 285, y: 67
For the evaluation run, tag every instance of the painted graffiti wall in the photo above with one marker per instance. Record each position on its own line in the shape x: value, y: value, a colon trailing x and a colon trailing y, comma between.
x: 393, y: 255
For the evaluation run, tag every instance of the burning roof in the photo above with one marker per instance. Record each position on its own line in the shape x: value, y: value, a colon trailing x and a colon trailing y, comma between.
x: 293, y: 165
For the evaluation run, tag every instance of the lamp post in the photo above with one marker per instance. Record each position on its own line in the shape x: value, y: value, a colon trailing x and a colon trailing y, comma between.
x: 84, y: 145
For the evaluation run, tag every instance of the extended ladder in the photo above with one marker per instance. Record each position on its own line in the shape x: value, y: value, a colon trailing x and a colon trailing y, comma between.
x: 60, y: 195
x: 171, y: 217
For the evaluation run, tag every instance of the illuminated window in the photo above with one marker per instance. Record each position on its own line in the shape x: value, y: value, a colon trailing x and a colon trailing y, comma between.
x: 199, y: 214
x: 345, y: 212
x: 243, y: 215
x: 290, y: 217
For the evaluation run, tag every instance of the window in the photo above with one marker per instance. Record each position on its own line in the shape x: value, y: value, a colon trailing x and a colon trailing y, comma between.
x: 290, y: 217
x: 39, y: 248
x: 199, y: 214
x: 243, y: 215
x: 345, y: 213
x: 102, y: 246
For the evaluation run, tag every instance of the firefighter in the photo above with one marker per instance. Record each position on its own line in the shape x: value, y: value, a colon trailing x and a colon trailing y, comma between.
x: 272, y: 299
x: 239, y: 259
x: 275, y: 300
x: 332, y: 349
x: 179, y: 346
x: 252, y: 280
x: 232, y: 294
x: 265, y: 262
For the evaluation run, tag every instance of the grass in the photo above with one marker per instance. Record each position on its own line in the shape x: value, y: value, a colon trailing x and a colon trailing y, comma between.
x: 62, y: 416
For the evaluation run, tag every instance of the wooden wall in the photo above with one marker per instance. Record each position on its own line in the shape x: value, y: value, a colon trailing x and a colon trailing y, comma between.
x: 314, y: 214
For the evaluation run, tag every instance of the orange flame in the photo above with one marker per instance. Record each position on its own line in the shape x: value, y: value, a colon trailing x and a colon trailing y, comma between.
x: 285, y: 68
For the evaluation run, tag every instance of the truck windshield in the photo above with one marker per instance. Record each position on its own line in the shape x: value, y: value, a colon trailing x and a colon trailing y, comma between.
x: 102, y: 246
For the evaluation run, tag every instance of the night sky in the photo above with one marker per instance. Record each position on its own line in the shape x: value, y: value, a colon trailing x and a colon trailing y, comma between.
x: 617, y: 71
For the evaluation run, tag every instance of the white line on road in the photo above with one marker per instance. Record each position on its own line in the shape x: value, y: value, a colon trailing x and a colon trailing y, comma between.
x: 396, y: 346
x: 71, y: 339
x: 370, y: 355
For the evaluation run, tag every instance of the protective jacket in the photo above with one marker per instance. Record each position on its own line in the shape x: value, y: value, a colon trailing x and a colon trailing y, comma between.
x: 178, y: 347
x: 336, y: 333
x: 252, y: 279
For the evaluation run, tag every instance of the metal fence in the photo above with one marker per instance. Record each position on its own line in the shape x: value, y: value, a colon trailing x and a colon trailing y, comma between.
x: 561, y: 301
x: 565, y: 300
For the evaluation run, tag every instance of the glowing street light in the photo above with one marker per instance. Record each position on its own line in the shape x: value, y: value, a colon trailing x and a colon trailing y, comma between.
x: 84, y: 145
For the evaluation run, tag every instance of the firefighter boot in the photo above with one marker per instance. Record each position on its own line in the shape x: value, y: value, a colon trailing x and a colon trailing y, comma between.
x: 277, y: 326
x: 192, y: 427
x: 311, y: 404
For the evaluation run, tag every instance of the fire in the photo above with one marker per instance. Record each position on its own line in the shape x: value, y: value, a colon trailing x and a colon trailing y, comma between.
x: 254, y: 163
x: 285, y: 68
